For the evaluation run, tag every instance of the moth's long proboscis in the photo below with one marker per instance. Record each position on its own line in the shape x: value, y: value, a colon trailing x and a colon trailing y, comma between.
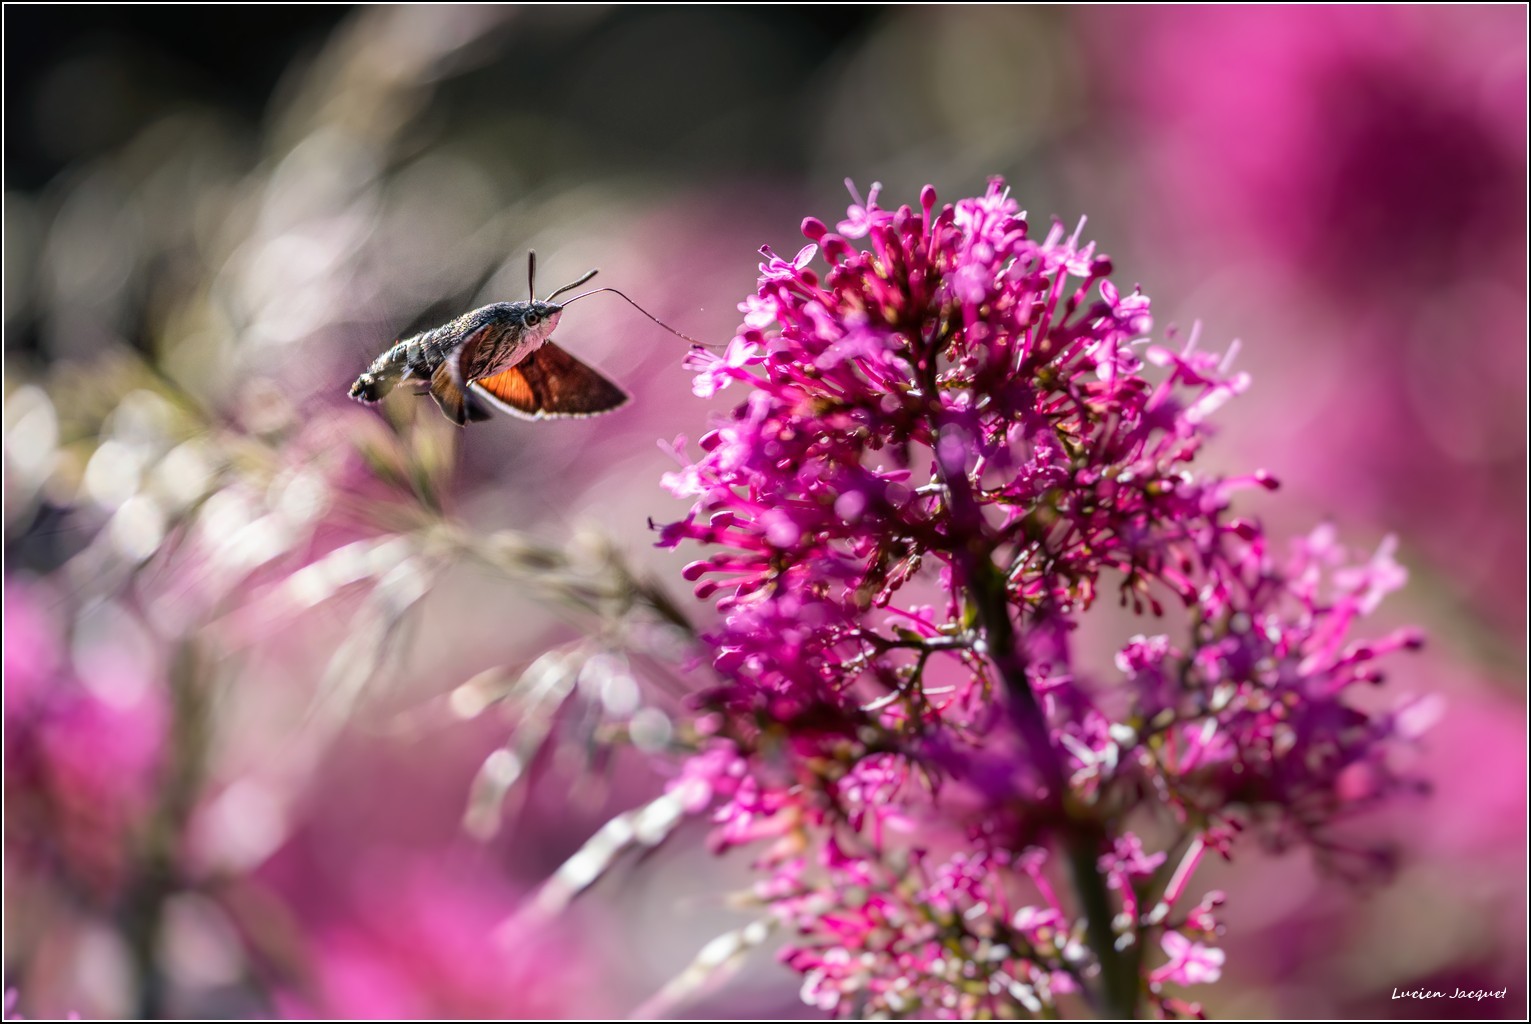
x: 630, y: 302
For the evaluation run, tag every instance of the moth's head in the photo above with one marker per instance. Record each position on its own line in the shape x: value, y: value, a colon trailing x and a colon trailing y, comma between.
x: 540, y: 317
x: 532, y: 319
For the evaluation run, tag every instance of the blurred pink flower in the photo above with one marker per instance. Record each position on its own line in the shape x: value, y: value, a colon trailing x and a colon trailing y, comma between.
x: 1190, y: 963
x: 427, y: 939
x: 1371, y: 146
x: 1367, y: 164
x: 80, y: 770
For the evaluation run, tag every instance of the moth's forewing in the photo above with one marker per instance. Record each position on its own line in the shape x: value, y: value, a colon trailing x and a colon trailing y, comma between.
x: 550, y: 382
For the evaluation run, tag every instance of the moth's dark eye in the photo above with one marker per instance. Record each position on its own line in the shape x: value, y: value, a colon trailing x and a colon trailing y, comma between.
x: 532, y: 320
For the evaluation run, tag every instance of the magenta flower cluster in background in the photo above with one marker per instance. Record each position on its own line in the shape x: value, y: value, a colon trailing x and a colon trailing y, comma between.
x: 954, y: 441
x: 1359, y: 173
x: 83, y: 745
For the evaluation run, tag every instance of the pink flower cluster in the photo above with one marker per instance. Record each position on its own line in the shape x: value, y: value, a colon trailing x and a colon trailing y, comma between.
x: 80, y: 768
x: 953, y: 440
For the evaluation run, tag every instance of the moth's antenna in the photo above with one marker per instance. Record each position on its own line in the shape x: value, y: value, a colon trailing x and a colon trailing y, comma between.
x: 531, y: 275
x: 630, y: 302
x: 574, y: 284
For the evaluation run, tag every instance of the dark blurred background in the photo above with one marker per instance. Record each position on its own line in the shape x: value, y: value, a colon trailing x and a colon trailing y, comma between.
x: 214, y: 217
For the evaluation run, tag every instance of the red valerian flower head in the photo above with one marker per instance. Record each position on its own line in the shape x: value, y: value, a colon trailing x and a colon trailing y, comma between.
x: 953, y: 441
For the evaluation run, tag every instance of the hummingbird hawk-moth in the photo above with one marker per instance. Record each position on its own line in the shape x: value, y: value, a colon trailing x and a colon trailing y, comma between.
x: 499, y: 356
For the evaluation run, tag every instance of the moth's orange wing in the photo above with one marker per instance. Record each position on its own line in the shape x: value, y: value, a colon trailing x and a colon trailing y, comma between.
x: 509, y: 390
x: 567, y: 387
x: 548, y: 383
